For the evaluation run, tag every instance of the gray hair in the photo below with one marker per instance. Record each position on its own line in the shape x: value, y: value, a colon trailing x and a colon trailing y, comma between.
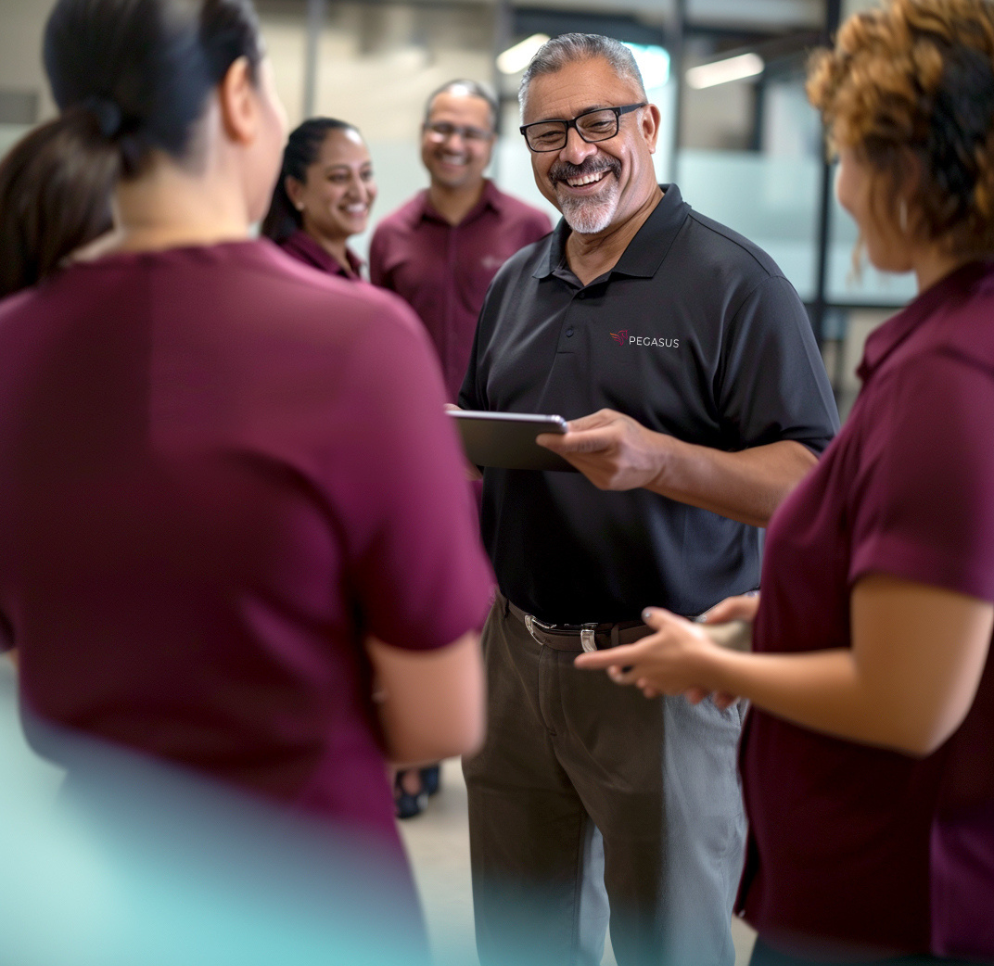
x: 469, y: 88
x: 566, y: 49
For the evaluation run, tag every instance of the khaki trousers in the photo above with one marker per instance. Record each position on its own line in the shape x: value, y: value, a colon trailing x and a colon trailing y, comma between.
x: 589, y: 804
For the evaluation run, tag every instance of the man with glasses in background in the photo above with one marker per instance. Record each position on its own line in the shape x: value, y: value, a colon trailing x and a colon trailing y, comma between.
x: 440, y: 251
x: 697, y: 396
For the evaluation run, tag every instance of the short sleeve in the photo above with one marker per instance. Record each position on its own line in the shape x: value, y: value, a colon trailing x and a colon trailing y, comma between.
x: 772, y: 384
x: 420, y: 575
x: 923, y: 504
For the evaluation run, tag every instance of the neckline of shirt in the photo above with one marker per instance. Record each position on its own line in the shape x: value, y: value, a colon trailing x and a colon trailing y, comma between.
x: 645, y: 252
x: 884, y: 340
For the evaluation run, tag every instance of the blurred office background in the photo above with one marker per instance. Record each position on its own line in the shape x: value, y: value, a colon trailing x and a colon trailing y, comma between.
x: 738, y: 135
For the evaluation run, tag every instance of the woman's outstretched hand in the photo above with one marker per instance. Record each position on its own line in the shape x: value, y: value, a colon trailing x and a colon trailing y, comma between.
x: 674, y: 660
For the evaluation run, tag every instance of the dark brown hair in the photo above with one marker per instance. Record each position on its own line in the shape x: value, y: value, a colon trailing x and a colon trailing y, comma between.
x: 130, y: 77
x: 53, y: 200
x: 910, y: 88
x: 302, y: 150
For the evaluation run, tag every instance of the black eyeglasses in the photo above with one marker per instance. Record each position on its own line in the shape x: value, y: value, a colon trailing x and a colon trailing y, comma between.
x: 600, y: 124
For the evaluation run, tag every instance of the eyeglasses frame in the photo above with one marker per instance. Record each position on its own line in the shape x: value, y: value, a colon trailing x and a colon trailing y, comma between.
x: 618, y: 111
x: 460, y: 129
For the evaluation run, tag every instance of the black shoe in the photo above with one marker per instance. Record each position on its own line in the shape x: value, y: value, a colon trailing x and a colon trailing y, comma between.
x: 407, y: 805
x: 431, y: 779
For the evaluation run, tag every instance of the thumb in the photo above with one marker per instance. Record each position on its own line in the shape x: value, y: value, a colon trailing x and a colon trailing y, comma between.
x: 730, y: 609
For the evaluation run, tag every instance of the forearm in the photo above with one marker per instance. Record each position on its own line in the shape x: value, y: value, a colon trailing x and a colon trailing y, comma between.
x: 430, y: 703
x: 746, y: 486
x: 827, y: 692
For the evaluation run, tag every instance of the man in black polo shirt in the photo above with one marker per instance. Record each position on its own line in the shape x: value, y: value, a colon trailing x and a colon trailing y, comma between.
x: 699, y: 400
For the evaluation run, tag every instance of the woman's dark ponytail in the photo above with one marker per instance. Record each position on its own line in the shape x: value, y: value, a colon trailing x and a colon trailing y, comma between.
x: 55, y: 190
x: 302, y: 150
x: 131, y: 77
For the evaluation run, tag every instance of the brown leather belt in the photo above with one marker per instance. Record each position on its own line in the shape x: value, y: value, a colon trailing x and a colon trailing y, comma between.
x: 580, y: 637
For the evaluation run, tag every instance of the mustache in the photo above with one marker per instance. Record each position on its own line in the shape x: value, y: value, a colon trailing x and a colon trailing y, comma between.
x: 564, y: 170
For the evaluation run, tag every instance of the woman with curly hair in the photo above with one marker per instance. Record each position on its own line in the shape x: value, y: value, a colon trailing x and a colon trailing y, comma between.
x: 866, y: 760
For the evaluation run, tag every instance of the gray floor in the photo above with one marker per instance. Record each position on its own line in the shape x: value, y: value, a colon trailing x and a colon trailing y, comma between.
x: 438, y: 844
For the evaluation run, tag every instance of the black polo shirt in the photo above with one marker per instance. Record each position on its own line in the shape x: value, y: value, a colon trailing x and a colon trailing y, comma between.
x: 695, y: 333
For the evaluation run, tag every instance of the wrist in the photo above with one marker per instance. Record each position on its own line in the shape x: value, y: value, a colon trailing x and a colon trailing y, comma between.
x: 664, y: 448
x: 708, y: 666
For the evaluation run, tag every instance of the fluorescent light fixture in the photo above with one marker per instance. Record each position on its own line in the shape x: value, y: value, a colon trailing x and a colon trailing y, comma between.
x: 517, y: 58
x: 725, y: 71
x: 654, y: 63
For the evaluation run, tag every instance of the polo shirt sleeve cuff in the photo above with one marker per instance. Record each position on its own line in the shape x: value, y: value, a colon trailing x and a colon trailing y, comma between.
x: 903, y: 558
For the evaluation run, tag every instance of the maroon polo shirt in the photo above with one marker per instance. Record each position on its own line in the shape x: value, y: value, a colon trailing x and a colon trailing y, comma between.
x: 219, y: 472
x: 854, y: 850
x: 305, y: 249
x: 443, y: 271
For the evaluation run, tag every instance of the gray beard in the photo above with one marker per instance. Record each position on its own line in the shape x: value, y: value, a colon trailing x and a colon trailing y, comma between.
x: 589, y: 217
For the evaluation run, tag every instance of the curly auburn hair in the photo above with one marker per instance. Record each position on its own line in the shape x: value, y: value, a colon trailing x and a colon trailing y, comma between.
x: 910, y: 88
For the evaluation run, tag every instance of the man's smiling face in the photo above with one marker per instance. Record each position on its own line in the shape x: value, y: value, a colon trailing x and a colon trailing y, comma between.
x: 595, y: 186
x: 455, y: 160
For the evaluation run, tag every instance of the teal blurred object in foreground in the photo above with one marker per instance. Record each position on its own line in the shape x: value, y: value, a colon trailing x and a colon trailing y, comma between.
x: 142, y: 865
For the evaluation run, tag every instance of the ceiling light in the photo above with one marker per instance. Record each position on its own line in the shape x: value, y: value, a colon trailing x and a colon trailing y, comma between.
x: 518, y: 57
x: 725, y: 71
x: 653, y: 62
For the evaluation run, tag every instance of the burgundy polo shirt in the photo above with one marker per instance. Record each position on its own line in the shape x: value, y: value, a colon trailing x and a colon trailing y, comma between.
x: 854, y: 850
x: 305, y: 249
x: 219, y: 472
x: 443, y: 271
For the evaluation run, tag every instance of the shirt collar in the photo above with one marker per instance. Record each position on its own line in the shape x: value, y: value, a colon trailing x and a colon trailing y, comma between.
x: 490, y: 198
x: 301, y: 245
x: 885, y: 339
x: 645, y: 252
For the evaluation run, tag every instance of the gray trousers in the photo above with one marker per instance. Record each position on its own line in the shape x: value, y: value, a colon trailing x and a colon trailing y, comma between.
x: 589, y: 804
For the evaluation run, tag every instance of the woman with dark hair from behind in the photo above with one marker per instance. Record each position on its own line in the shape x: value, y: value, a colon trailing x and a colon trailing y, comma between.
x: 232, y: 509
x: 323, y: 196
x: 70, y: 210
x: 867, y: 761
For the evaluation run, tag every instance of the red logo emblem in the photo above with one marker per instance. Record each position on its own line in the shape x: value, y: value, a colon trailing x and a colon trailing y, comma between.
x: 620, y: 337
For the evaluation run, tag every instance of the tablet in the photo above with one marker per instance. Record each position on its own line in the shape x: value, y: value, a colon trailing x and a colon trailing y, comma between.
x: 507, y: 440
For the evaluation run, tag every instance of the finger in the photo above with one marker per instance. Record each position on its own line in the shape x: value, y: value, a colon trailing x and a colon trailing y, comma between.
x: 624, y: 675
x: 729, y: 609
x: 593, y: 421
x: 659, y: 618
x: 583, y: 441
x: 620, y: 656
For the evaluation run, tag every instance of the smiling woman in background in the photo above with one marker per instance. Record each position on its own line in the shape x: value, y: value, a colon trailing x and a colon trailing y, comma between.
x: 323, y: 196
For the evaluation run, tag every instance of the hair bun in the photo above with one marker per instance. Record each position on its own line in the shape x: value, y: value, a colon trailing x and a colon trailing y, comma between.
x: 109, y: 116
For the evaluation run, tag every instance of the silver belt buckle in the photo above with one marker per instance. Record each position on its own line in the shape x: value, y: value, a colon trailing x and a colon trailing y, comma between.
x: 588, y: 638
x: 531, y: 622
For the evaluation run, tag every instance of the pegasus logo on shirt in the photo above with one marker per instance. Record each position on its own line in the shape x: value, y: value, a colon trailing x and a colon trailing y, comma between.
x: 623, y: 338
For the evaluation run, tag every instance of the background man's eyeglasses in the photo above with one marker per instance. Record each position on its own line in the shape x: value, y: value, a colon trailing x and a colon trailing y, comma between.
x: 441, y: 131
x: 598, y: 125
